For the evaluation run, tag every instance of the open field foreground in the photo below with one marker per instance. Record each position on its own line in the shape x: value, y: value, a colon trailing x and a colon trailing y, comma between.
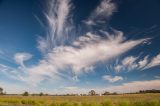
x: 109, y: 100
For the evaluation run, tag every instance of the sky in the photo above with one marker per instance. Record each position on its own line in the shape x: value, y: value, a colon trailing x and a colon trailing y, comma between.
x: 74, y: 46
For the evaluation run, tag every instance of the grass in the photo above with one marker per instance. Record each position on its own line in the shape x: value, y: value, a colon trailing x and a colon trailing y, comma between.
x: 110, y: 100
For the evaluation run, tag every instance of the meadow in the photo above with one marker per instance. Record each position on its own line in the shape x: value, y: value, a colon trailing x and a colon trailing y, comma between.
x: 108, y: 100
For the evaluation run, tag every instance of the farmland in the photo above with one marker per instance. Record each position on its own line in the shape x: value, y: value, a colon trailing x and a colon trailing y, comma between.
x: 108, y: 100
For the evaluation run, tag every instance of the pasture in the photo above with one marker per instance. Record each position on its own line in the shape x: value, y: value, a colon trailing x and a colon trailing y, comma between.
x: 108, y: 100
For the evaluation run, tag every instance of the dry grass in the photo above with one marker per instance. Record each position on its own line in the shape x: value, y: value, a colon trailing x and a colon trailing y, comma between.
x: 110, y: 100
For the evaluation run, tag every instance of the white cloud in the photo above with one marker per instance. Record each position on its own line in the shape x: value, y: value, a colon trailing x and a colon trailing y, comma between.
x: 71, y: 87
x: 105, y: 9
x: 131, y: 63
x: 89, y: 22
x: 135, y: 86
x: 21, y: 57
x: 69, y: 62
x: 4, y: 68
x: 43, y: 45
x: 154, y: 62
x: 82, y: 55
x: 12, y: 73
x: 6, y: 56
x: 112, y: 79
x: 118, y: 68
x: 102, y: 12
x: 129, y: 60
x: 128, y: 63
x: 142, y: 63
x: 59, y: 24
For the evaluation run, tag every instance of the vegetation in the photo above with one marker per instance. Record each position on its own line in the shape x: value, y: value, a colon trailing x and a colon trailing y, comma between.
x: 151, y: 99
x: 92, y: 93
x: 1, y: 91
x: 149, y: 91
x: 141, y: 98
x: 41, y: 94
x: 25, y: 93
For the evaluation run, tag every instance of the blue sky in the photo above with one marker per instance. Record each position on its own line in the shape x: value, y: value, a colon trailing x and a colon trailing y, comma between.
x: 73, y: 46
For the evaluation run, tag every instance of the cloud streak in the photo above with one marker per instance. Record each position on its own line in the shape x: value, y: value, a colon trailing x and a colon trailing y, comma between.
x: 20, y: 58
x: 135, y: 63
x: 70, y: 61
x: 102, y: 13
x: 112, y: 79
x: 58, y: 24
x: 80, y: 57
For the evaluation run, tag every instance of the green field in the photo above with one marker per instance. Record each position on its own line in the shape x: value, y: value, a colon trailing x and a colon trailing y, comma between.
x: 109, y: 100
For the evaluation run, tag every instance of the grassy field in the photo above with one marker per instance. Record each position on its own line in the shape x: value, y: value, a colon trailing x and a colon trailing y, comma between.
x: 110, y: 100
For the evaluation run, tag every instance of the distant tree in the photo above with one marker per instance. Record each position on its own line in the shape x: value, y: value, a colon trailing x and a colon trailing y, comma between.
x: 114, y: 93
x: 1, y: 91
x: 141, y: 91
x: 25, y: 93
x: 83, y: 94
x: 41, y: 94
x: 46, y: 94
x: 149, y: 91
x: 92, y: 93
x: 106, y: 93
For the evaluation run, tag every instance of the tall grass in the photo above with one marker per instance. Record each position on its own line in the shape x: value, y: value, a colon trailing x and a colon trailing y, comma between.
x: 111, y: 100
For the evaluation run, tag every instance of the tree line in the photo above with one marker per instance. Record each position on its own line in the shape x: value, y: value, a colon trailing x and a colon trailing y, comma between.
x: 149, y: 91
x: 90, y: 93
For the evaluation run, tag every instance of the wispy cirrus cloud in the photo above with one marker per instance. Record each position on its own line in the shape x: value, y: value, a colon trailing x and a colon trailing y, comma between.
x: 127, y: 63
x: 102, y: 13
x: 154, y: 62
x: 5, y: 56
x: 80, y: 56
x: 10, y: 72
x: 84, y: 50
x: 143, y: 62
x: 112, y: 79
x: 20, y: 58
x: 135, y: 63
x: 65, y: 62
x: 59, y: 23
x: 68, y: 62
